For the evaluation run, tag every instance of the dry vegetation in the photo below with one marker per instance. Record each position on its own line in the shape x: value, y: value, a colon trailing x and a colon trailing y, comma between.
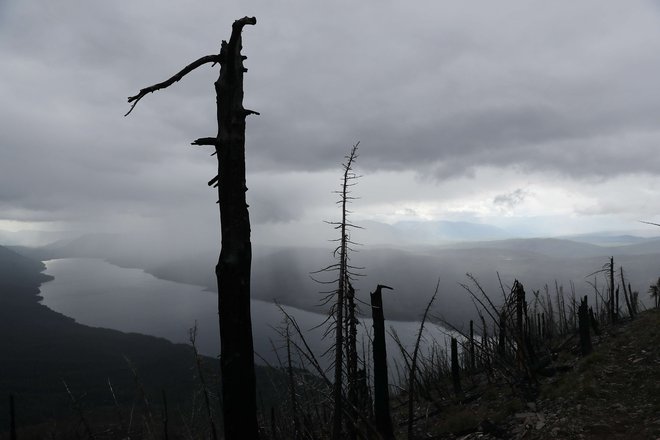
x: 540, y: 385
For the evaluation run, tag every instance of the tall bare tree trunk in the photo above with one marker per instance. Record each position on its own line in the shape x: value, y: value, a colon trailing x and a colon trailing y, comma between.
x: 233, y: 269
x: 234, y: 263
x: 337, y: 391
x: 455, y: 368
x: 352, y: 361
x: 292, y: 387
x: 12, y: 418
x: 473, y: 363
x: 612, y: 300
x: 342, y: 294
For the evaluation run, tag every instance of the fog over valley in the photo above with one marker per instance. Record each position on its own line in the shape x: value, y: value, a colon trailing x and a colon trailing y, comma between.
x: 286, y: 274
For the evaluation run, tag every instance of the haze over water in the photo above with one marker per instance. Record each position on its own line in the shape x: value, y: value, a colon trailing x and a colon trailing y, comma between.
x: 97, y: 293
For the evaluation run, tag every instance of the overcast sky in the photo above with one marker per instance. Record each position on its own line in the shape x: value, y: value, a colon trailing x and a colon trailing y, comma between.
x: 522, y: 114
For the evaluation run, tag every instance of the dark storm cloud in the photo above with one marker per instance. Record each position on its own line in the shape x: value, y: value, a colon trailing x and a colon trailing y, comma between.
x: 440, y: 88
x: 561, y: 97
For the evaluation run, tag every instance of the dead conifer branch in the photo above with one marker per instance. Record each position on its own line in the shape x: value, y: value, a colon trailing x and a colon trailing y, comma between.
x: 206, y: 141
x: 214, y: 180
x: 176, y: 78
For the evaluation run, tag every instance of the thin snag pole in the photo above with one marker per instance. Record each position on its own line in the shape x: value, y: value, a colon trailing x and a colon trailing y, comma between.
x: 413, y: 364
x: 473, y: 364
x: 583, y: 319
x: 342, y: 294
x: 455, y: 374
x: 12, y: 418
x: 612, y: 312
x: 234, y: 264
x: 292, y: 386
x: 381, y: 380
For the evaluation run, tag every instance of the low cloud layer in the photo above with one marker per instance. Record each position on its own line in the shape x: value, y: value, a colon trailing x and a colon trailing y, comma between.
x: 558, y: 97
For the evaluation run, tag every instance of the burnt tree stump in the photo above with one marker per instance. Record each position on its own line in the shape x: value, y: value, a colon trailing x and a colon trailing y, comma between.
x: 381, y: 382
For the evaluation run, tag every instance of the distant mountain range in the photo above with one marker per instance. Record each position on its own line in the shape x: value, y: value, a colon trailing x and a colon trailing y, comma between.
x: 426, y: 232
x: 33, y: 238
x: 437, y: 232
x: 283, y: 274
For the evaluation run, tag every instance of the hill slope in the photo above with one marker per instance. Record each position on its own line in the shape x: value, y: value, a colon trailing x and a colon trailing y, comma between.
x: 40, y: 349
x: 613, y: 393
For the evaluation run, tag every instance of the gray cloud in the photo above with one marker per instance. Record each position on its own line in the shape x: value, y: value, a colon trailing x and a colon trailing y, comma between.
x: 439, y: 89
x: 510, y: 200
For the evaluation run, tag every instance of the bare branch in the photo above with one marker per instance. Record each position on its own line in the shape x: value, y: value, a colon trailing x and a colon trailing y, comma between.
x: 206, y: 141
x: 162, y: 85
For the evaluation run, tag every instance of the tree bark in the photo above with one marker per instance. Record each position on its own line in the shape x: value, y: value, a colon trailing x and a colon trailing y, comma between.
x: 455, y: 374
x: 234, y: 263
x: 473, y: 364
x: 351, y: 361
x: 12, y: 418
x: 612, y: 313
x: 341, y: 298
x: 381, y: 381
x: 584, y: 323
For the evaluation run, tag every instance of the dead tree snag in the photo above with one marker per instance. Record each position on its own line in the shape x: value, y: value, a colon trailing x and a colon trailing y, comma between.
x: 234, y: 264
x: 381, y: 380
x: 583, y: 323
x: 342, y: 312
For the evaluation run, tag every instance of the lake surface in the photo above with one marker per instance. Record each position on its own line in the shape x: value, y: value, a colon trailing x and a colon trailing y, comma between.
x: 97, y: 293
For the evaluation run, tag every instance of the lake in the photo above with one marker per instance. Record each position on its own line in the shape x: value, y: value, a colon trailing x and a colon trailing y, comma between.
x: 97, y: 293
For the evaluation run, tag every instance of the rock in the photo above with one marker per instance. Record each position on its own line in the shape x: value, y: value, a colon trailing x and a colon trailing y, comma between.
x: 618, y: 407
x: 524, y: 415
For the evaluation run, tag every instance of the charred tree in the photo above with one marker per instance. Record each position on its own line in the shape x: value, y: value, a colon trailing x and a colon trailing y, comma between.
x: 234, y: 263
x: 627, y: 295
x: 455, y: 369
x: 352, y: 360
x: 12, y: 418
x: 584, y: 324
x: 612, y: 312
x: 381, y: 382
x: 473, y: 363
x: 293, y: 401
x: 343, y: 308
x: 413, y: 364
x: 524, y: 349
x: 654, y: 292
x: 501, y: 346
x: 485, y: 347
x: 519, y: 297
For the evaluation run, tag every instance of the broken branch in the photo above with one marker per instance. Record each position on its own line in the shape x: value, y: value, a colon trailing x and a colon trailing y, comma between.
x: 186, y: 70
x: 206, y: 141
